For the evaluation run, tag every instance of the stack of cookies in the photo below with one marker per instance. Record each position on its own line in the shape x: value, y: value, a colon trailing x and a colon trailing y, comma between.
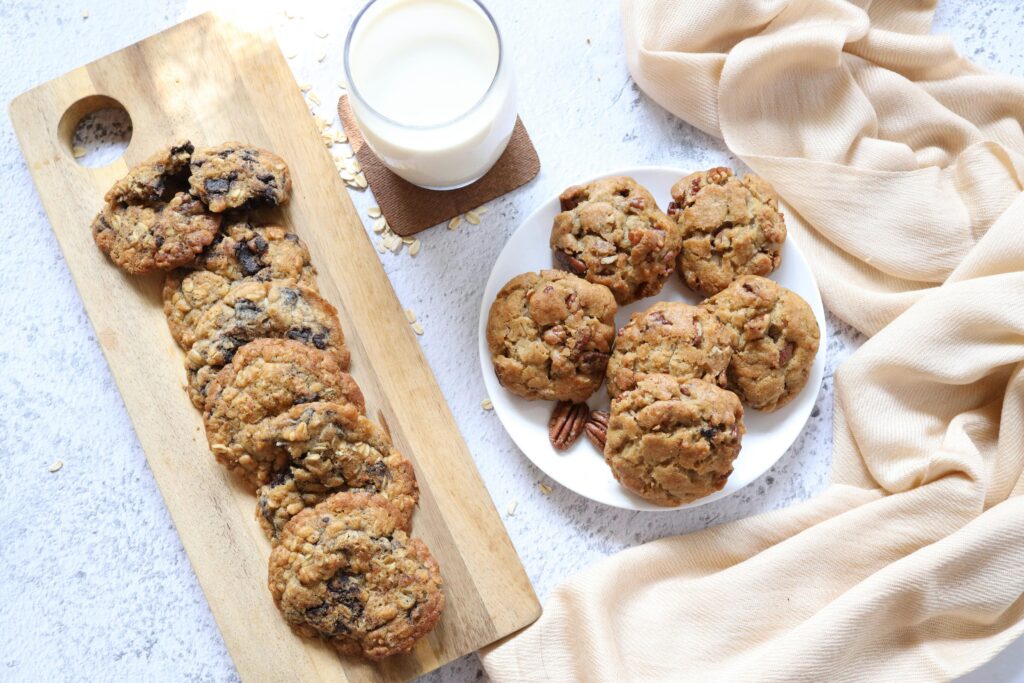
x: 678, y: 375
x: 267, y: 365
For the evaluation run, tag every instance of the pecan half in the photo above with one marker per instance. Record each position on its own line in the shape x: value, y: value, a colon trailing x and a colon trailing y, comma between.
x: 567, y: 423
x: 597, y: 429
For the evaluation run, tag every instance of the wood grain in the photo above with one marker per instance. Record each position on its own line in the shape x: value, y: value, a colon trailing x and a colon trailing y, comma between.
x: 211, y: 81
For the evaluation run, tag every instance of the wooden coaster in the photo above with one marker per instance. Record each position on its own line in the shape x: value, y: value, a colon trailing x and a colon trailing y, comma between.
x: 410, y: 209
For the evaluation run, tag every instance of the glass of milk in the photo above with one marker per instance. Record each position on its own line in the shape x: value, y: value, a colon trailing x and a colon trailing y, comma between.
x: 431, y: 86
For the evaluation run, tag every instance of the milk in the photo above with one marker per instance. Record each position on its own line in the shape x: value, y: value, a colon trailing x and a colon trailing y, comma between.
x: 431, y: 89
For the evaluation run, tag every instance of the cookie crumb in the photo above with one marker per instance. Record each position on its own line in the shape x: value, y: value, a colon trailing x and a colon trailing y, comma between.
x: 380, y: 225
x: 544, y: 488
x: 511, y: 509
x: 57, y: 464
x: 410, y: 316
x: 313, y: 97
x: 85, y: 14
x: 454, y: 223
x: 486, y: 404
x: 472, y: 218
x: 418, y: 329
x: 373, y: 212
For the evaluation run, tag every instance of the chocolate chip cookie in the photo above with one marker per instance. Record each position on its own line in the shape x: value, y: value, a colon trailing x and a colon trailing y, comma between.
x: 252, y: 309
x: 264, y: 379
x: 672, y: 441
x: 731, y: 227
x: 774, y: 335
x: 346, y: 571
x: 242, y: 251
x: 238, y: 176
x: 156, y: 179
x: 611, y: 232
x: 328, y: 448
x: 673, y: 338
x: 550, y: 334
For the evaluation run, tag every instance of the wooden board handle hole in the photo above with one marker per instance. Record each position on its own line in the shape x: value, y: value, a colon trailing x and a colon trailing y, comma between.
x: 95, y: 131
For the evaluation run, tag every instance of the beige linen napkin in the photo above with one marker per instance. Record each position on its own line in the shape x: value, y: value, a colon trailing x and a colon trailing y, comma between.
x: 904, y: 165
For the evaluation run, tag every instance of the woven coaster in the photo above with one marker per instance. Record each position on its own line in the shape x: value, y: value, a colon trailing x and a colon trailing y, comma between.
x: 410, y: 209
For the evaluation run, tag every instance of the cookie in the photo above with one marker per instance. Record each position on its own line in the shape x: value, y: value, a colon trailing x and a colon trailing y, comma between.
x: 158, y: 178
x: 327, y: 448
x: 673, y: 338
x: 731, y: 227
x: 774, y: 335
x: 672, y: 441
x: 238, y: 176
x: 550, y: 334
x: 345, y: 571
x: 141, y: 238
x: 250, y: 310
x: 264, y: 379
x: 242, y: 251
x: 612, y: 233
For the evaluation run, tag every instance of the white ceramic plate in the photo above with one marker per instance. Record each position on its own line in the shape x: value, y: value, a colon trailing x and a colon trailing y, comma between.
x: 581, y: 468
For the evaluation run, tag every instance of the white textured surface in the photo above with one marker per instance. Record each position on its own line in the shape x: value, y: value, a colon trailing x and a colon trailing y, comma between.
x: 94, y: 582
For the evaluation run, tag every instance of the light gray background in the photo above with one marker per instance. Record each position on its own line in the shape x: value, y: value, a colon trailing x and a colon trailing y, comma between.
x: 94, y: 583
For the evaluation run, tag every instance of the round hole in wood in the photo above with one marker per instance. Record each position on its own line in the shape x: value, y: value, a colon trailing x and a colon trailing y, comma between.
x: 95, y: 130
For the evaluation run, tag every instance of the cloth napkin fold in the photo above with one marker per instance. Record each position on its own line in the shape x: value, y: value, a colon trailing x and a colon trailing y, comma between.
x: 903, y: 163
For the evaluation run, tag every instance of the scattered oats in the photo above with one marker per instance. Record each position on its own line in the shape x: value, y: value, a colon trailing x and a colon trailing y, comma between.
x: 414, y: 248
x: 454, y: 223
x: 320, y: 121
x: 355, y: 166
x: 486, y: 404
x: 305, y: 86
x: 57, y: 464
x: 408, y: 240
x: 417, y: 328
x: 380, y: 247
x: 85, y: 14
x: 313, y: 98
x: 361, y: 181
x: 380, y: 224
x: 410, y: 316
x: 373, y: 212
x: 393, y: 242
x: 610, y: 259
x: 481, y: 210
x: 347, y: 177
x: 320, y: 34
x: 511, y: 510
x: 544, y: 488
x: 78, y: 152
x: 347, y: 151
x: 292, y: 54
x: 472, y: 218
x: 321, y: 56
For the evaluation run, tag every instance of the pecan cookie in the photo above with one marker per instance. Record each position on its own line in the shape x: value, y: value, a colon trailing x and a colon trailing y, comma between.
x: 141, y: 238
x: 242, y: 251
x: 250, y: 310
x: 611, y: 232
x: 328, y: 448
x: 774, y: 335
x: 731, y: 227
x: 264, y: 379
x: 237, y: 176
x: 673, y: 338
x: 672, y: 441
x: 346, y: 571
x: 550, y: 335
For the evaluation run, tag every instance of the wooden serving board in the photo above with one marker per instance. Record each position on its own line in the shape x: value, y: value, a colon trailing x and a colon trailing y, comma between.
x: 211, y: 81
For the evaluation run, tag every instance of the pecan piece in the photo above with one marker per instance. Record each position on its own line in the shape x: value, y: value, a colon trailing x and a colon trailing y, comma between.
x: 597, y: 428
x: 567, y: 423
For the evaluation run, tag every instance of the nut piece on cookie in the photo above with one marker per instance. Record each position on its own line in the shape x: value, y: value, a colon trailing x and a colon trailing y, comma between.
x: 550, y: 334
x: 672, y: 441
x: 774, y: 336
x: 731, y: 227
x: 328, y: 448
x: 238, y: 176
x: 347, y: 571
x: 264, y: 379
x: 611, y: 232
x: 672, y: 338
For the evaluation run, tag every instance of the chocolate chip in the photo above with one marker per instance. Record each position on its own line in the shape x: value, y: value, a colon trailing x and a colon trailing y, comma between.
x: 247, y: 309
x: 247, y: 259
x: 379, y: 472
x: 216, y: 186
x: 292, y: 237
x: 320, y: 340
x: 346, y: 593
x: 248, y: 155
x: 708, y: 432
x: 290, y: 295
x: 318, y: 611
x: 225, y: 153
x: 301, y: 334
x: 258, y: 244
x: 159, y: 241
x: 178, y: 149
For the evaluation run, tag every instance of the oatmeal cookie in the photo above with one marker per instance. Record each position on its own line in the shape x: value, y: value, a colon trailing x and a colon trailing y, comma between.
x: 550, y: 335
x: 731, y: 227
x: 774, y: 337
x: 347, y: 572
x: 237, y: 176
x: 672, y: 338
x: 250, y: 310
x: 158, y: 178
x: 242, y: 251
x: 264, y: 379
x: 141, y: 238
x: 611, y: 232
x: 327, y: 448
x: 672, y: 441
